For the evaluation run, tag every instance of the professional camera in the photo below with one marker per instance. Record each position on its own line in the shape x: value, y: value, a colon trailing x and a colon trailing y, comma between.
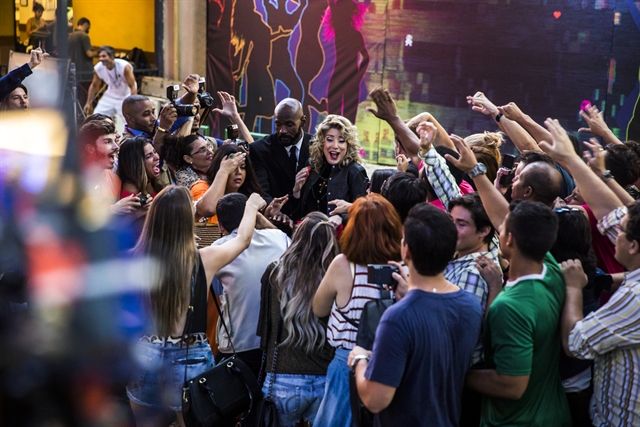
x: 184, y: 110
x: 382, y: 274
x: 206, y: 100
x: 506, y: 171
x: 232, y: 134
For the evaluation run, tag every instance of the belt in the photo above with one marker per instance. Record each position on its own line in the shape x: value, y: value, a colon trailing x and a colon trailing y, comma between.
x: 164, y: 341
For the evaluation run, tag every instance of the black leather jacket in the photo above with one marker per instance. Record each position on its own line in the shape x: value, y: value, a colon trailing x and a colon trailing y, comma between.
x: 345, y: 182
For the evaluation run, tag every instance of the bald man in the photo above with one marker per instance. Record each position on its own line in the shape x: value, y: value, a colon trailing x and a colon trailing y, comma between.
x: 537, y: 182
x: 277, y: 158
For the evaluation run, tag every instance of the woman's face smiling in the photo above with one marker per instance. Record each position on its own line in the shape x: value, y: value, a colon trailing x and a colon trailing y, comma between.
x: 200, y: 156
x: 151, y: 161
x: 335, y: 147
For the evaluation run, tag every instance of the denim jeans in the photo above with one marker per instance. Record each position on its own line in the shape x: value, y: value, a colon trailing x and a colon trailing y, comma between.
x: 158, y: 375
x: 335, y: 409
x: 296, y: 396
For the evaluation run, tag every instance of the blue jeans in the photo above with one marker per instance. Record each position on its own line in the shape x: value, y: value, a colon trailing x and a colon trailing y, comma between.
x: 335, y: 409
x: 158, y: 375
x: 296, y: 396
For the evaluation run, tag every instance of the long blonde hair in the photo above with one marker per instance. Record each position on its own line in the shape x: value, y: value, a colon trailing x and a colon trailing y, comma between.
x: 297, y: 277
x: 349, y: 133
x: 167, y: 237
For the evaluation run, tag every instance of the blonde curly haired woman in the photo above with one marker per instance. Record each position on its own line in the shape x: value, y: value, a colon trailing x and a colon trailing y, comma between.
x: 335, y: 171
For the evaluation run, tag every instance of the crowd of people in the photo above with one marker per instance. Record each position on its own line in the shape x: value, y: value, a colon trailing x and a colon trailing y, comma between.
x: 517, y: 289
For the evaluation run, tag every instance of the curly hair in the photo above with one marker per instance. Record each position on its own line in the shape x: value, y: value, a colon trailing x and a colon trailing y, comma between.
x: 349, y: 133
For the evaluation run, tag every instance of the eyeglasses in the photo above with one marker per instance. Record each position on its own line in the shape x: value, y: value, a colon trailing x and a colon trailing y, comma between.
x: 203, y: 150
x: 566, y: 209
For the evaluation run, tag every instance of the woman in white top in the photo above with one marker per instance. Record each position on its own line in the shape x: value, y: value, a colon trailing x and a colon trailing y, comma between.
x: 372, y: 236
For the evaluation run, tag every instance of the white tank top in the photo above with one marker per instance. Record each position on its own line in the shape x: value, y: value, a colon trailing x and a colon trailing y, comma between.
x: 118, y: 86
x: 340, y: 333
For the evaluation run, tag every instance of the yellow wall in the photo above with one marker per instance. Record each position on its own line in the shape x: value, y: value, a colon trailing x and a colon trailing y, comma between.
x: 123, y: 24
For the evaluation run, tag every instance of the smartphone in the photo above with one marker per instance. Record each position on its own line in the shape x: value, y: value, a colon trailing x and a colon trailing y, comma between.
x: 382, y: 274
x: 508, y: 161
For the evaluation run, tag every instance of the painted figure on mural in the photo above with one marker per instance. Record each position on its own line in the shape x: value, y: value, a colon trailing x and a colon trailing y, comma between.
x: 310, y: 59
x: 251, y: 56
x: 342, y: 22
x: 282, y: 23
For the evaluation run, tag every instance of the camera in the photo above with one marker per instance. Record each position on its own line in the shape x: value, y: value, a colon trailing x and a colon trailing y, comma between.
x: 508, y: 161
x: 205, y: 98
x: 232, y: 134
x: 382, y: 274
x: 184, y: 110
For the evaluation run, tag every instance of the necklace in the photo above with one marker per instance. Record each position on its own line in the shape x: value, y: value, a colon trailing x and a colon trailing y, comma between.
x: 322, y: 190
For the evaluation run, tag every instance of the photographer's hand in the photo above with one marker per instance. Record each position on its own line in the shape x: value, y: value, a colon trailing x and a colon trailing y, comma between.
x: 402, y: 278
x: 168, y: 116
x: 191, y: 85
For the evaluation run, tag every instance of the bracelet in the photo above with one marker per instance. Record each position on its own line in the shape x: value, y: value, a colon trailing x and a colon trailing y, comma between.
x: 498, y: 117
x: 161, y: 129
x: 606, y: 176
x: 358, y: 358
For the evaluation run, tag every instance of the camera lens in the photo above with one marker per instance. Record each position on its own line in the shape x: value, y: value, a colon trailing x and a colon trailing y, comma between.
x: 186, y: 110
x: 206, y: 100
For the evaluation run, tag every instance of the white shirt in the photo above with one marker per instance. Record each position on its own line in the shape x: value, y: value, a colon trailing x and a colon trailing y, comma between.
x: 118, y: 87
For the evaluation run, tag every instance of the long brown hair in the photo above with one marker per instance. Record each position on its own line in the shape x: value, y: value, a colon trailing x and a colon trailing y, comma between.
x: 167, y: 237
x: 297, y: 277
x: 250, y: 184
x: 373, y: 233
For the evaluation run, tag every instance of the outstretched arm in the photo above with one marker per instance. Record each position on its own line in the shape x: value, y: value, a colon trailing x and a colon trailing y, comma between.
x: 513, y: 113
x: 493, y: 201
x: 216, y: 257
x: 596, y: 194
x: 597, y: 126
x: 521, y: 139
x: 387, y: 111
x: 595, y: 160
x: 442, y: 137
x: 230, y: 110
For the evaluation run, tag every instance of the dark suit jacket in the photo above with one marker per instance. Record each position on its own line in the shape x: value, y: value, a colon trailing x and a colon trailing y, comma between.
x: 271, y: 164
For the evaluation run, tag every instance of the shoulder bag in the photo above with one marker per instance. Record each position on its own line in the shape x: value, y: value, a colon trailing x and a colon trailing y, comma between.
x: 220, y: 395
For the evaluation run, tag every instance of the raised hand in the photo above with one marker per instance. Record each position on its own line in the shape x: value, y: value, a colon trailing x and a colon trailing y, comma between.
x: 511, y: 111
x: 232, y: 162
x: 229, y: 108
x: 560, y: 147
x: 301, y: 178
x: 256, y: 201
x: 467, y: 160
x: 403, y: 162
x: 275, y: 206
x: 595, y: 158
x: 36, y: 58
x: 428, y: 132
x: 192, y: 83
x: 386, y: 106
x: 481, y: 103
x: 595, y: 121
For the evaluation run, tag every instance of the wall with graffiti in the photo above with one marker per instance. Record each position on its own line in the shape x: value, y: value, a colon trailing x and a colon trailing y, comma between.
x: 547, y: 56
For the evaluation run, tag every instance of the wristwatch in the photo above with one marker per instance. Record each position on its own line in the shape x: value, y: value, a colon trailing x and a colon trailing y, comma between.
x: 478, y: 169
x: 606, y: 176
x: 357, y: 358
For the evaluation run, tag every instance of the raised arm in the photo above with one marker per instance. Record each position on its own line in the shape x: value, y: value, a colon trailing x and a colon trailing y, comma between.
x: 596, y: 194
x: 595, y: 160
x: 230, y: 111
x: 441, y: 137
x: 216, y: 257
x: 521, y: 139
x: 206, y: 206
x: 387, y: 111
x: 438, y: 173
x: 513, y: 113
x: 493, y: 201
x: 597, y: 126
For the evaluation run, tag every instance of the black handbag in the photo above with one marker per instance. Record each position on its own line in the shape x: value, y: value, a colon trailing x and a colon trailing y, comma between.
x: 265, y: 413
x: 220, y: 395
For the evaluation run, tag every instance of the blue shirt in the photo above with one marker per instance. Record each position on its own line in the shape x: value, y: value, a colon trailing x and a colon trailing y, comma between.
x: 423, y: 348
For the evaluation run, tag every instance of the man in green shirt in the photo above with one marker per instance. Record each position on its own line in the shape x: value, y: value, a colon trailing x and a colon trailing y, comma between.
x: 521, y: 384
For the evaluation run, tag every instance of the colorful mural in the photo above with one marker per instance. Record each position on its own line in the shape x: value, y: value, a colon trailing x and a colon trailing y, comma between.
x: 547, y: 56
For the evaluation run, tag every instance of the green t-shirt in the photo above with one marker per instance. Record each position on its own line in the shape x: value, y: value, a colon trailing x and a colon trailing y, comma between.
x: 522, y: 337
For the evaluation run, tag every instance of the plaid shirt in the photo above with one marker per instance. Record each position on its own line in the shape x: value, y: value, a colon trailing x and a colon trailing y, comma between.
x: 446, y: 188
x: 463, y: 273
x: 611, y: 336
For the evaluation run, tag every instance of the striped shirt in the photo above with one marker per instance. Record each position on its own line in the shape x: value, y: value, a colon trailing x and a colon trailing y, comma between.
x: 340, y: 333
x: 611, y: 336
